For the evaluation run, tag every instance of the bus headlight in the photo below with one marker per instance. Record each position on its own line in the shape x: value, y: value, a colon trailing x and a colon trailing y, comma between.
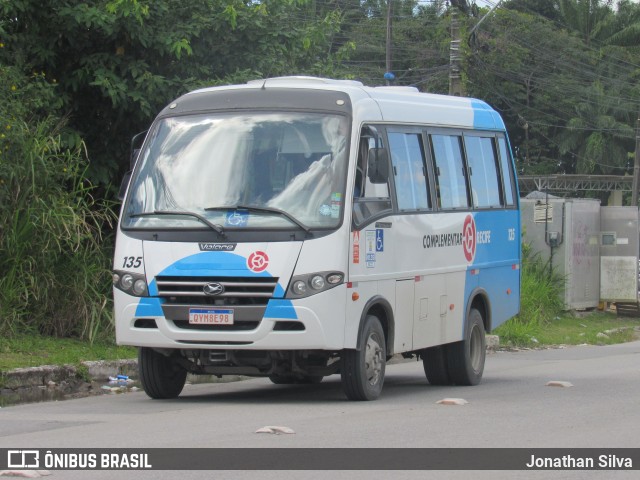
x: 299, y: 287
x: 305, y: 285
x: 317, y: 282
x: 131, y: 283
x: 139, y: 287
x: 126, y: 282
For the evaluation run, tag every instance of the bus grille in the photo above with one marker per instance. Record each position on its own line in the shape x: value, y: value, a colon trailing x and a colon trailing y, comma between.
x: 248, y: 296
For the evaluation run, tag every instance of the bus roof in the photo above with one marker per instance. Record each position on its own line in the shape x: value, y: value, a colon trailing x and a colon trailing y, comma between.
x: 395, y: 103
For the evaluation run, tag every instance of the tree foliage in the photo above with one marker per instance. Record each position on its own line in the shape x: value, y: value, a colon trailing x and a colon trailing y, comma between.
x: 55, y: 268
x: 79, y: 78
x: 568, y: 97
x: 116, y: 62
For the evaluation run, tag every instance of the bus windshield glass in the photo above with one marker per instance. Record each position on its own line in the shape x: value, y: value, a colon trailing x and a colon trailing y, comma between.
x: 262, y: 170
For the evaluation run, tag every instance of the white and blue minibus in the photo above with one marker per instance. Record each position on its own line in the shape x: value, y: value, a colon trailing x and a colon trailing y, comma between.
x: 299, y: 227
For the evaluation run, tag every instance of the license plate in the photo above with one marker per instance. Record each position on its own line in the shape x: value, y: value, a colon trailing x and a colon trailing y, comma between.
x: 210, y: 316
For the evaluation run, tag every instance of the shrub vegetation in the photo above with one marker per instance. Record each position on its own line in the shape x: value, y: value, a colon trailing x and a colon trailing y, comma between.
x: 53, y: 258
x: 540, y: 300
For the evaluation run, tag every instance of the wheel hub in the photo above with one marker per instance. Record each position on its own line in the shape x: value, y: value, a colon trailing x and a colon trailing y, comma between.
x: 373, y: 359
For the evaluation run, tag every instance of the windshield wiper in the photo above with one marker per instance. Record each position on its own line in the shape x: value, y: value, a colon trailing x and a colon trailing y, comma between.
x: 277, y: 211
x: 217, y: 228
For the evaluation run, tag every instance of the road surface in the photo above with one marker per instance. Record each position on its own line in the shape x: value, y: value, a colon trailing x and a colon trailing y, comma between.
x: 512, y: 407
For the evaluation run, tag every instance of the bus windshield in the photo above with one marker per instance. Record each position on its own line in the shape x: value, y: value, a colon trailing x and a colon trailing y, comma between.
x: 250, y: 170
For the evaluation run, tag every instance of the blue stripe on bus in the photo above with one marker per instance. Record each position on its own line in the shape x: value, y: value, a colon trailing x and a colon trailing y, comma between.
x: 219, y: 264
x: 496, y: 265
x: 149, y: 307
x: 277, y: 308
x: 493, y: 227
x: 485, y: 117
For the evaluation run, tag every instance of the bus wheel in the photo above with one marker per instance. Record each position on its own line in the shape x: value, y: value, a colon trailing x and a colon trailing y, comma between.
x: 362, y: 371
x: 465, y: 359
x: 435, y: 365
x: 161, y: 377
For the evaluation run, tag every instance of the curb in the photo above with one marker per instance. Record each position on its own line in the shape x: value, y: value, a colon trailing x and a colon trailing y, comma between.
x: 55, y: 382
x: 46, y: 375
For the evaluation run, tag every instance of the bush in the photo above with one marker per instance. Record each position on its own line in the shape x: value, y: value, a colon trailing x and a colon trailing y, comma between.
x: 540, y: 300
x: 55, y: 272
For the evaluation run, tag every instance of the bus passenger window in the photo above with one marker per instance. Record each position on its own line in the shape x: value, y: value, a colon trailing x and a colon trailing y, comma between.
x: 409, y: 171
x: 450, y: 173
x: 483, y: 169
x: 507, y: 175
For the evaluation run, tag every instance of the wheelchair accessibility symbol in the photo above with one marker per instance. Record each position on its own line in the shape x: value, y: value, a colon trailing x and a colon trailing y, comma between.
x: 236, y: 219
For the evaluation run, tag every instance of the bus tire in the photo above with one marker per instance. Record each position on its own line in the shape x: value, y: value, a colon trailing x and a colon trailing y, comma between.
x: 465, y: 359
x: 161, y: 376
x: 435, y: 365
x: 362, y: 370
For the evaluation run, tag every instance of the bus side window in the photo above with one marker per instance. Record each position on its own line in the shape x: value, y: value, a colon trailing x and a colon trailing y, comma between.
x: 370, y: 199
x: 409, y: 171
x: 483, y: 171
x: 450, y: 171
x: 507, y: 174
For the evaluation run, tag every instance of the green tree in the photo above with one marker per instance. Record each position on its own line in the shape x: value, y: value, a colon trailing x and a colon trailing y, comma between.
x: 517, y: 67
x: 595, y: 137
x: 589, y: 18
x: 569, y: 107
x: 547, y: 8
x: 419, y: 45
x: 626, y: 28
x: 117, y: 62
x: 600, y: 131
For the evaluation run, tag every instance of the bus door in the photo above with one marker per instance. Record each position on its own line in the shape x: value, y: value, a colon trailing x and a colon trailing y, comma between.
x: 371, y: 259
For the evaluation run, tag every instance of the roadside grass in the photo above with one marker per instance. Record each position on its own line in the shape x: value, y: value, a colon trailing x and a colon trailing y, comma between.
x: 593, y: 328
x: 543, y: 322
x: 34, y: 350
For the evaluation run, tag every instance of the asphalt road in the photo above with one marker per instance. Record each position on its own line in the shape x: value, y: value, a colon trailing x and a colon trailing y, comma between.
x: 512, y: 407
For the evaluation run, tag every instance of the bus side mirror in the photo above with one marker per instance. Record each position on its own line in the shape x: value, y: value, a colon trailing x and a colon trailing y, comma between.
x: 123, y: 186
x: 378, y: 167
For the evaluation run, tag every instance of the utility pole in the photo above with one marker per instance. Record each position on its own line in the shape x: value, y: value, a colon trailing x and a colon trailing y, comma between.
x: 455, y: 79
x: 389, y: 24
x: 636, y: 166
